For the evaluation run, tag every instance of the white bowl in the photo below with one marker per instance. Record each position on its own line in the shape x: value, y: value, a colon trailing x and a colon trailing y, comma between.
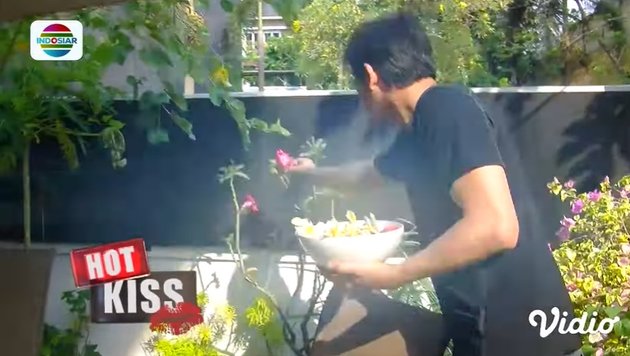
x: 365, y: 248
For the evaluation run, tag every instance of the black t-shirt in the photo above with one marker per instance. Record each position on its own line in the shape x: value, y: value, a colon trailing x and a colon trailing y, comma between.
x: 486, y: 305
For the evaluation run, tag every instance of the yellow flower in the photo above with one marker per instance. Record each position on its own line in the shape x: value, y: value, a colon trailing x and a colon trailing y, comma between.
x: 462, y: 5
x: 226, y: 312
x: 221, y: 76
x: 296, y: 26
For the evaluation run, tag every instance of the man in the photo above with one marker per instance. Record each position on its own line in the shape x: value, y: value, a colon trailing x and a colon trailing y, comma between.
x: 489, y: 269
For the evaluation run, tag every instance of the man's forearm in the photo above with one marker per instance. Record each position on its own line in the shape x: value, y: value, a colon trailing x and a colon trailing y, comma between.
x: 462, y: 245
x: 346, y: 177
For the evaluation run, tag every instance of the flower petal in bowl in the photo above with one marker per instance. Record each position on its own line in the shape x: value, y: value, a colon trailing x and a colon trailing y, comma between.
x: 365, y: 248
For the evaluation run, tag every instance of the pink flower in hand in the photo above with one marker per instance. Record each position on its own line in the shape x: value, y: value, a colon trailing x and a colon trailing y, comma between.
x: 569, y: 184
x: 284, y: 160
x: 250, y: 205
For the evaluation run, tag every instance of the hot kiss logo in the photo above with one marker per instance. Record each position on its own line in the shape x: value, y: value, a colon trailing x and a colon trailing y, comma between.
x: 575, y: 326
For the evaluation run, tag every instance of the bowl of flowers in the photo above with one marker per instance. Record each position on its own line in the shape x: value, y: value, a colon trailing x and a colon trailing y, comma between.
x: 352, y: 240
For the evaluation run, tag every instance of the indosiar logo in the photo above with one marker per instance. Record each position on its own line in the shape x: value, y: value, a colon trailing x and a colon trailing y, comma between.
x: 56, y: 40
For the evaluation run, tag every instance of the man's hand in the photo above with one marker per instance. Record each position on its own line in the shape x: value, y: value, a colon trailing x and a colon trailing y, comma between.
x: 373, y: 275
x: 301, y: 165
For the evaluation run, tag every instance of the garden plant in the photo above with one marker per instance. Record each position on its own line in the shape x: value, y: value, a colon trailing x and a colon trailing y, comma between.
x: 594, y: 259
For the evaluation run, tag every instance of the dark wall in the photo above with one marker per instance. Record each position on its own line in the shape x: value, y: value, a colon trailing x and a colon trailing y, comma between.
x: 169, y: 193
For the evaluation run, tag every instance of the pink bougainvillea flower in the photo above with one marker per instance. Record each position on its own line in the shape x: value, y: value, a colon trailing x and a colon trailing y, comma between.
x: 567, y: 222
x: 563, y: 234
x: 625, y: 192
x: 250, y: 204
x: 571, y: 287
x: 594, y: 195
x: 623, y: 261
x: 599, y: 352
x: 284, y: 160
x: 625, y: 249
x: 569, y: 184
x: 577, y: 206
x: 177, y: 320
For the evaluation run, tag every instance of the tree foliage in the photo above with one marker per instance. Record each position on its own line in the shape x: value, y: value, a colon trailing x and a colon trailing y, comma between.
x: 479, y: 43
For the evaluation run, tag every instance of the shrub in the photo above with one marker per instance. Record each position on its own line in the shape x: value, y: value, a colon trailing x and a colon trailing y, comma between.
x: 594, y: 259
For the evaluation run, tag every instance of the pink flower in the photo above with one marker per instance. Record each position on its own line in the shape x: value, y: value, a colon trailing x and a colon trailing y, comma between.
x: 623, y: 261
x: 625, y: 249
x: 250, y: 205
x: 599, y: 352
x: 550, y: 249
x: 571, y: 287
x: 594, y: 195
x: 624, y: 192
x: 567, y: 222
x: 563, y: 234
x: 284, y: 160
x: 569, y: 184
x: 577, y: 206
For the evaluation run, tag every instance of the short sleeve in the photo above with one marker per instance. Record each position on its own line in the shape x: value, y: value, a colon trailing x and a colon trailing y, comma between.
x: 462, y: 136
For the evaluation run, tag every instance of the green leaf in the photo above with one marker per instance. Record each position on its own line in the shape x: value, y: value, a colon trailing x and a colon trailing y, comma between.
x: 104, y: 54
x: 227, y: 5
x: 258, y: 124
x: 157, y: 136
x: 67, y: 146
x: 185, y: 125
x: 177, y: 99
x: 612, y: 312
x: 277, y: 128
x: 155, y: 56
x: 618, y: 329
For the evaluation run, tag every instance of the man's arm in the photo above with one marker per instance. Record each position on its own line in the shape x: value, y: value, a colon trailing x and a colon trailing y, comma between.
x: 489, y: 225
x: 345, y: 178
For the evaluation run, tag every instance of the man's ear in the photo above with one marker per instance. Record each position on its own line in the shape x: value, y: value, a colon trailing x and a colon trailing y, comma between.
x: 371, y: 76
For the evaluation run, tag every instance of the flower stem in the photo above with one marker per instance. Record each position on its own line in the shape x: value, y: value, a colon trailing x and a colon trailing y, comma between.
x: 237, y: 225
x: 246, y: 276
